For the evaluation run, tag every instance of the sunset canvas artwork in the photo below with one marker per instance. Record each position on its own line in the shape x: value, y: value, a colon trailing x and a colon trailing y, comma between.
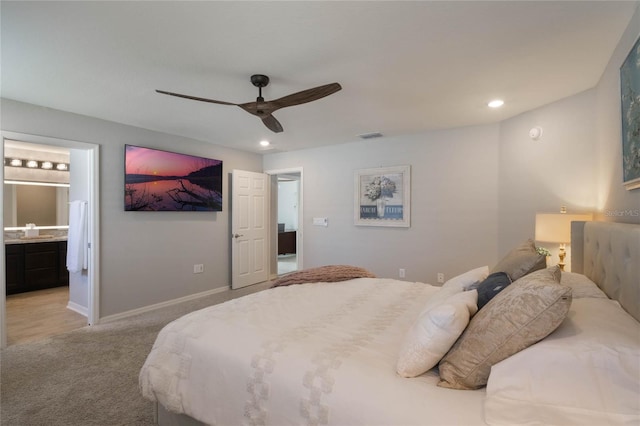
x: 157, y: 180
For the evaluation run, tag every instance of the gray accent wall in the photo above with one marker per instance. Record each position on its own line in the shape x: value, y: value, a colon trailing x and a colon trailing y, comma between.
x: 475, y: 190
x: 146, y: 257
x: 454, y: 200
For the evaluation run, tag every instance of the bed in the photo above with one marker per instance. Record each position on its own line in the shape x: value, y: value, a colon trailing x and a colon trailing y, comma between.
x: 371, y: 351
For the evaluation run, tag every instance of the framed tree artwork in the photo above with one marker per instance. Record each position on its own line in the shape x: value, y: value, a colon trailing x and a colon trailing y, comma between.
x: 383, y: 196
x: 630, y: 99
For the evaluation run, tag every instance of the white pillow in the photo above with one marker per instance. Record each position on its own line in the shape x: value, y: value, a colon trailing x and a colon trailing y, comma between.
x: 587, y: 372
x: 455, y: 285
x: 434, y: 332
x: 463, y: 281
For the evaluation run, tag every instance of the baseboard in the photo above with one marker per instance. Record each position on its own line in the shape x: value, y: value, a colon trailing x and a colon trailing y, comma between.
x: 150, y: 308
x: 82, y: 310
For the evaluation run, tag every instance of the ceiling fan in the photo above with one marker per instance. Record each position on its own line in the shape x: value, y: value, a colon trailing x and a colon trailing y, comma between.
x: 264, y: 109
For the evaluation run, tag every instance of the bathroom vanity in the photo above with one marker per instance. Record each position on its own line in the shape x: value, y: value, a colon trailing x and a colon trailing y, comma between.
x: 35, y: 264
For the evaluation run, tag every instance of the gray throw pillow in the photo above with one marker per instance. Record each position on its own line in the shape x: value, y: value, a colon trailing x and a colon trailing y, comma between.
x: 521, y: 261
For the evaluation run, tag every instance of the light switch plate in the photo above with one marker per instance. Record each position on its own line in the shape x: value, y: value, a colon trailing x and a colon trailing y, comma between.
x: 320, y: 221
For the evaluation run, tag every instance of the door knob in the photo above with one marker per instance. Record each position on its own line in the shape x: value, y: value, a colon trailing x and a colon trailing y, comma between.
x: 237, y: 235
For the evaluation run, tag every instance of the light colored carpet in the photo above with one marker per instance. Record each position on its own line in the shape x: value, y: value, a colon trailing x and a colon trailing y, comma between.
x: 88, y: 376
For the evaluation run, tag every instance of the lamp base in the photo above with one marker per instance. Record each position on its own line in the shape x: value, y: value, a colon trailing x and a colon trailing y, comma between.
x: 562, y: 255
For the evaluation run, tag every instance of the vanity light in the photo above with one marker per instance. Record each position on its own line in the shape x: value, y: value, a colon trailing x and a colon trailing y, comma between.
x: 496, y: 103
x: 21, y: 182
x: 35, y: 164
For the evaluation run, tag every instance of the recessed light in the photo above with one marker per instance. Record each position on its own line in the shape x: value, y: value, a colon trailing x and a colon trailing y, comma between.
x: 496, y: 103
x: 264, y: 143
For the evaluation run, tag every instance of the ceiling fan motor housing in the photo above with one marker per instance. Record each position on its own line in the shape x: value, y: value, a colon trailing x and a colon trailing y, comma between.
x: 259, y: 80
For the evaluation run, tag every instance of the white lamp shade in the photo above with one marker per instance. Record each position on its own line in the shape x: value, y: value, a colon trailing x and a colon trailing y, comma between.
x: 556, y: 227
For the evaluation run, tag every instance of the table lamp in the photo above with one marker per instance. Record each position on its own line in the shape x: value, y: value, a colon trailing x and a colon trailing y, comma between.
x: 556, y: 228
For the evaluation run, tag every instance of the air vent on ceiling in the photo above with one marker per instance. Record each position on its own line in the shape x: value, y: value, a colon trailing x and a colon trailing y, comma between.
x: 371, y: 135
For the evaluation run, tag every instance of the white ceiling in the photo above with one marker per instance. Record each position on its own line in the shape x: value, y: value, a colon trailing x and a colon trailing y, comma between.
x: 405, y: 67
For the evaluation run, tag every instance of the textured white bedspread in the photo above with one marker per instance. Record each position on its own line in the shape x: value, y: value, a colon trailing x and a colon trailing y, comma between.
x: 322, y: 353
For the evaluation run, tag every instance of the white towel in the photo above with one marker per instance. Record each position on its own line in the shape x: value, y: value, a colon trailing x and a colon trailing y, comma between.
x: 77, y: 237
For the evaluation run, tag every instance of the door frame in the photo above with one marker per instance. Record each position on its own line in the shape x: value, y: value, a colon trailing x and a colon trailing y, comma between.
x: 274, y: 217
x: 93, y: 223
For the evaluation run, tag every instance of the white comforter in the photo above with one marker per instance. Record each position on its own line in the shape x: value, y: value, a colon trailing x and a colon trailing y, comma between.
x: 321, y: 353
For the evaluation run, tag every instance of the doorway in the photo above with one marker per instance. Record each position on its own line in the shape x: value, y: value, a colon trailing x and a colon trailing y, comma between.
x: 84, y: 156
x: 287, y: 208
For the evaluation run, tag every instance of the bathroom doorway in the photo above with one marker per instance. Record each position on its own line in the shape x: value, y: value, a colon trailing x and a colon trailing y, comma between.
x: 287, y: 209
x: 82, y: 293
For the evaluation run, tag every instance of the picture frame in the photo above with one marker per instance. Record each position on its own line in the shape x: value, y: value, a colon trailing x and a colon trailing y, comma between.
x: 383, y: 196
x: 629, y: 94
x: 159, y: 180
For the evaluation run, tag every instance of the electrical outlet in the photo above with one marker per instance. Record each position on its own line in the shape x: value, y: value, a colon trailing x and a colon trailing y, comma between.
x: 440, y: 277
x: 401, y: 272
x: 198, y: 269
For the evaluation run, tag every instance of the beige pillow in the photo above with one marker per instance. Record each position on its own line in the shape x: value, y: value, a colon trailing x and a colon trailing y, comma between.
x: 434, y: 332
x: 521, y: 261
x: 519, y: 316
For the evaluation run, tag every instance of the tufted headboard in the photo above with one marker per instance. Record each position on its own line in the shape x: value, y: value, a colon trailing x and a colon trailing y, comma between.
x: 609, y: 254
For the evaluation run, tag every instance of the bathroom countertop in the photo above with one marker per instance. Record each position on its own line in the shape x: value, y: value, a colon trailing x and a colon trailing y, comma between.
x: 39, y: 239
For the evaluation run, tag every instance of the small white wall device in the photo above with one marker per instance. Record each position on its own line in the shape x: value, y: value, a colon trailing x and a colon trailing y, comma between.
x: 535, y: 133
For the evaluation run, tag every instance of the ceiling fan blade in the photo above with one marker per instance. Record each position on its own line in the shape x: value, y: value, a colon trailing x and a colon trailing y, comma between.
x: 195, y: 98
x: 303, y: 97
x: 273, y: 124
x: 263, y: 109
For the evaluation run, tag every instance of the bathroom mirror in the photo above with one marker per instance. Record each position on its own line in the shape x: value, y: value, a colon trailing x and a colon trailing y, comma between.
x: 44, y: 204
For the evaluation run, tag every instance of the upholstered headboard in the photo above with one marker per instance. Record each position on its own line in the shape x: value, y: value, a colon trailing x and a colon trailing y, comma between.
x: 609, y: 254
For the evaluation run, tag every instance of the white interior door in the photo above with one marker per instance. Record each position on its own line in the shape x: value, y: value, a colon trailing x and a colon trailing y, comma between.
x: 249, y: 228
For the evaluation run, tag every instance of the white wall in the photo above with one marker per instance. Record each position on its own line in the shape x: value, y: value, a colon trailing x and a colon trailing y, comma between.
x: 557, y: 170
x: 288, y: 204
x: 453, y: 206
x: 79, y: 190
x: 146, y: 257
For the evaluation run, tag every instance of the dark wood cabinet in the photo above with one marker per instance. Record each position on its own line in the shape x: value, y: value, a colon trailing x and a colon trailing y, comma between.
x: 14, y: 262
x: 35, y: 266
x: 63, y: 273
x: 287, y: 242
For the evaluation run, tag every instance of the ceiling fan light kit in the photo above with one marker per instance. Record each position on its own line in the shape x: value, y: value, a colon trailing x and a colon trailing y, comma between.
x: 264, y: 109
